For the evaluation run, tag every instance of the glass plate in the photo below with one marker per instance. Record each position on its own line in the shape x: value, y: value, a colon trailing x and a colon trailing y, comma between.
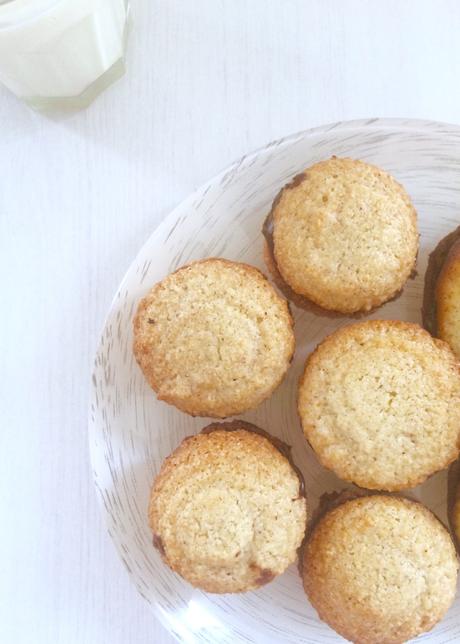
x: 131, y: 432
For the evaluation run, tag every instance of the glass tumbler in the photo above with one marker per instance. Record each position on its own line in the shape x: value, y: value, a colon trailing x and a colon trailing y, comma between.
x: 61, y: 53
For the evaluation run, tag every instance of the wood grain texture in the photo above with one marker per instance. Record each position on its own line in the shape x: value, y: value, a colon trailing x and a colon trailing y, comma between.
x: 207, y: 82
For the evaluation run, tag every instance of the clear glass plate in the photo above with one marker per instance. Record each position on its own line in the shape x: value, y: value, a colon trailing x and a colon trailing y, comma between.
x: 131, y: 432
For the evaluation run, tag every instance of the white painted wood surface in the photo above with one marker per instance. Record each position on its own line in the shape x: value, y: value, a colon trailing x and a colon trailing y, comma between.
x: 207, y: 81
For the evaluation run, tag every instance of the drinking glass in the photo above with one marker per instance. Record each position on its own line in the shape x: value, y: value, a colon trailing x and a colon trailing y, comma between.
x: 61, y: 53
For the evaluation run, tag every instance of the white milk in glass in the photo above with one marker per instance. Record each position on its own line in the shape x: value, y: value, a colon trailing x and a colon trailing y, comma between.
x: 61, y: 53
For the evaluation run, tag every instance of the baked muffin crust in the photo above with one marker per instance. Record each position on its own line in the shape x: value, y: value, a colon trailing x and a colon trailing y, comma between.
x: 227, y: 509
x: 214, y: 338
x: 448, y: 300
x: 379, y: 403
x: 344, y: 235
x: 380, y: 569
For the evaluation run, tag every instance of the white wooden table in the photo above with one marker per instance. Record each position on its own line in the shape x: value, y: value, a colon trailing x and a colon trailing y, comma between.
x: 207, y: 81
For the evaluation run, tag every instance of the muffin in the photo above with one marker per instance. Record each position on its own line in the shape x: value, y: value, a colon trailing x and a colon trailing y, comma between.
x: 453, y: 501
x: 343, y: 235
x: 227, y: 510
x: 380, y: 569
x: 379, y: 403
x: 441, y: 310
x: 214, y: 338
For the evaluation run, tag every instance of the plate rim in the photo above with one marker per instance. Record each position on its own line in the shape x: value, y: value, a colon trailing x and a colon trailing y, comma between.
x: 394, y: 123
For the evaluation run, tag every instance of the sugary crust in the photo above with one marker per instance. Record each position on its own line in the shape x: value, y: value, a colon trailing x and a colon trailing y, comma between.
x: 227, y: 510
x: 380, y: 569
x: 379, y: 402
x: 214, y: 338
x: 345, y: 235
x: 448, y: 300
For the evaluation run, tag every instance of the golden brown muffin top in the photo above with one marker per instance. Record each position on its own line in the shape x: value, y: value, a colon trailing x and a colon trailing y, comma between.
x: 214, y: 338
x: 448, y: 300
x: 227, y: 510
x: 379, y: 403
x: 380, y: 569
x: 345, y: 235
